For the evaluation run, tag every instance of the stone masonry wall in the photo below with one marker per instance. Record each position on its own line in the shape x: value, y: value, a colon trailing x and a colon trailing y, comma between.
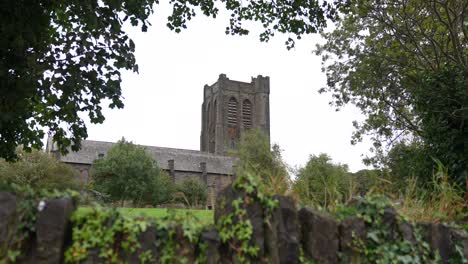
x: 214, y: 180
x: 320, y: 237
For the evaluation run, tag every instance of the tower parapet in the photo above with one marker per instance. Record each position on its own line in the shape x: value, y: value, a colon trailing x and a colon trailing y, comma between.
x: 232, y: 107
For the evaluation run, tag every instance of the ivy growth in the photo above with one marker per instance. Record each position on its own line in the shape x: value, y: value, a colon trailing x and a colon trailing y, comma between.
x: 29, y: 203
x: 384, y: 241
x: 116, y: 236
x: 235, y: 229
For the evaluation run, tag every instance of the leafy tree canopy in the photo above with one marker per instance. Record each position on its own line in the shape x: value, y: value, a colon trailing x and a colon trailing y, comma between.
x: 257, y: 158
x: 404, y: 64
x: 323, y: 183
x: 59, y: 58
x: 129, y: 173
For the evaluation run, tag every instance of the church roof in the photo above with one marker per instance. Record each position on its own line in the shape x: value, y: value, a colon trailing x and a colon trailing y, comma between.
x: 184, y: 159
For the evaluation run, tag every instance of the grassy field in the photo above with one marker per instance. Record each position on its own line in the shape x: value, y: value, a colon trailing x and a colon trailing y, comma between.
x: 204, y: 216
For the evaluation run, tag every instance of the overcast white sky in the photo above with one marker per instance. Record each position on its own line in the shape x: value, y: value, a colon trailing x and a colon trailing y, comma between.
x: 163, y: 102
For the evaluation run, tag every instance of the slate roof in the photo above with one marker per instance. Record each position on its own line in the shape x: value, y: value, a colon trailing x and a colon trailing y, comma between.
x: 184, y: 159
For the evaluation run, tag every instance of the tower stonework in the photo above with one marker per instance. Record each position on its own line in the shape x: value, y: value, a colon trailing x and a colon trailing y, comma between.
x: 230, y: 108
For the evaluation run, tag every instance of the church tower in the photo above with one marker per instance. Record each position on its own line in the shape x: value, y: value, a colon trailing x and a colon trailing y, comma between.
x: 230, y: 108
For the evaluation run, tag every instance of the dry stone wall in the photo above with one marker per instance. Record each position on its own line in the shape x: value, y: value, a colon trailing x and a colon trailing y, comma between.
x: 287, y: 236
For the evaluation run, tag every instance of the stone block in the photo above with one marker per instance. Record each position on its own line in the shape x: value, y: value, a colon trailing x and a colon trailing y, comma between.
x: 460, y: 239
x: 93, y: 257
x: 213, y: 242
x: 352, y: 232
x: 185, y: 252
x: 254, y: 214
x: 407, y: 231
x: 53, y: 229
x: 438, y: 237
x: 7, y: 220
x: 319, y: 236
x: 146, y: 240
x: 282, y: 232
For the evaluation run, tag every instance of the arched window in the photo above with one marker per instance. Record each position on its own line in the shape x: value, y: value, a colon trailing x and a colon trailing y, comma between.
x: 213, y: 118
x: 247, y: 114
x: 232, y: 112
x: 208, y: 116
x: 215, y: 114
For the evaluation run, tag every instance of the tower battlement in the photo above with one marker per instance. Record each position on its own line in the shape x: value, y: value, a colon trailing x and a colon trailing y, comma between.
x: 232, y: 107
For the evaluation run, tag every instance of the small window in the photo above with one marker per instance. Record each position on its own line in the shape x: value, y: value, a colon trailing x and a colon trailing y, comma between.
x: 101, y: 155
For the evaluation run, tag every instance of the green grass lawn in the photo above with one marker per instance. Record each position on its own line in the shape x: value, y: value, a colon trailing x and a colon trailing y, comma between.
x: 204, y: 216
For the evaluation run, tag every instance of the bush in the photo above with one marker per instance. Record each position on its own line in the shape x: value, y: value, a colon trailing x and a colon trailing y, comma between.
x: 40, y: 171
x: 322, y: 183
x: 195, y: 193
x: 129, y: 173
x: 367, y: 180
x: 440, y: 200
x: 409, y: 160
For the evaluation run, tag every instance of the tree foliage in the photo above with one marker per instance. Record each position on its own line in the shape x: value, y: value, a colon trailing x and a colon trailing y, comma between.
x: 408, y: 160
x: 404, y: 64
x: 366, y: 181
x: 40, y: 171
x: 323, y: 183
x: 297, y: 18
x: 62, y: 58
x: 256, y: 158
x: 129, y: 173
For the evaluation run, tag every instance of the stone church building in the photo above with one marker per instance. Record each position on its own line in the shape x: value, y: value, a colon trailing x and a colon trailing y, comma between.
x: 229, y: 109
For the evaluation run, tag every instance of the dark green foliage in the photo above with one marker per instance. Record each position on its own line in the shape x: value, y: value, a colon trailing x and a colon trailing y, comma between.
x: 366, y: 180
x: 194, y: 191
x: 60, y: 58
x: 40, y: 171
x: 298, y: 18
x: 442, y: 105
x: 129, y: 173
x: 256, y: 158
x: 404, y: 65
x: 409, y: 160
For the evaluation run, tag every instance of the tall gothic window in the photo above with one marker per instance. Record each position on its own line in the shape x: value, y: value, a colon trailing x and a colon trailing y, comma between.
x: 232, y: 112
x: 215, y: 114
x: 232, y: 123
x: 208, y: 117
x: 247, y: 114
x: 211, y: 145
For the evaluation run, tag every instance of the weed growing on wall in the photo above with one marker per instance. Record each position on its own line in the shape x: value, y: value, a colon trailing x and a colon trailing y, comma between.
x: 235, y: 229
x: 114, y: 237
x: 385, y: 242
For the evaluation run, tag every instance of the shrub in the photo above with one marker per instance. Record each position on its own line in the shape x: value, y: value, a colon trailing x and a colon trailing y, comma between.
x: 367, y: 180
x: 129, y: 173
x: 195, y: 193
x: 39, y: 171
x: 440, y: 200
x: 322, y: 183
x: 408, y: 160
